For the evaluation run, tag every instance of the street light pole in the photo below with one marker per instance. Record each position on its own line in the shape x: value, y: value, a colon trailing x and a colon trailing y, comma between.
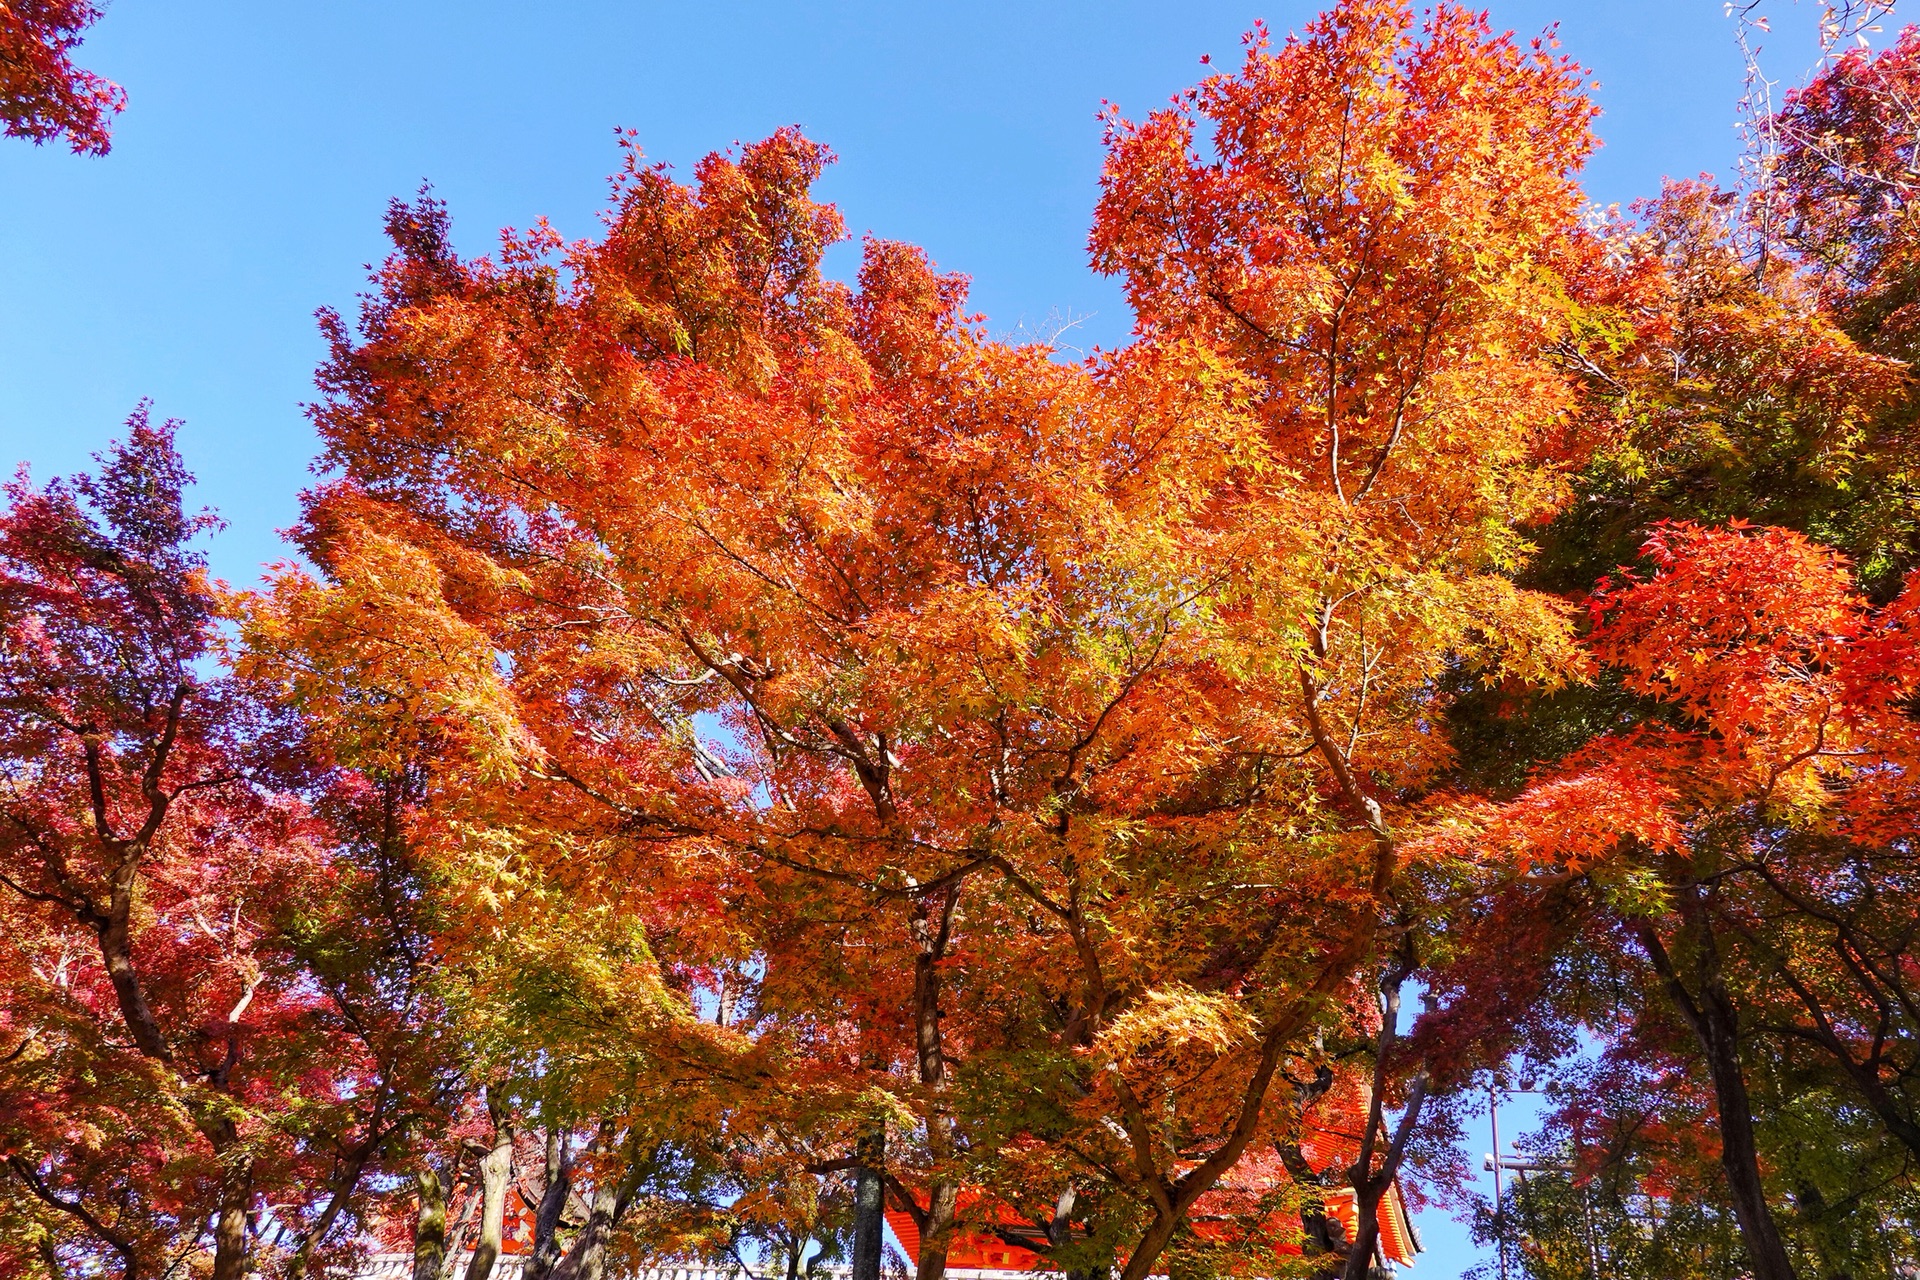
x: 1586, y: 1195
x: 1499, y: 1208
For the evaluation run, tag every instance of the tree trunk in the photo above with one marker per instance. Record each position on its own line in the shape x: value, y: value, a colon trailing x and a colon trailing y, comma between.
x: 343, y: 1185
x: 116, y: 954
x: 1366, y: 1243
x: 430, y: 1226
x: 553, y: 1204
x: 496, y: 1173
x: 1739, y: 1151
x: 230, y: 1221
x: 1370, y: 1184
x: 869, y: 1203
x: 1152, y: 1243
x: 1716, y: 1026
x: 587, y: 1259
x: 943, y: 1193
x: 942, y: 1199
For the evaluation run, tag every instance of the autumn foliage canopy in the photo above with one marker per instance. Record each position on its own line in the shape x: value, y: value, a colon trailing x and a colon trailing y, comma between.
x: 740, y: 751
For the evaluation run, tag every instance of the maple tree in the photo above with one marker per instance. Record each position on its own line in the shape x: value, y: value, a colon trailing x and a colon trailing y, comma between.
x: 1760, y: 379
x: 109, y: 728
x: 1389, y: 246
x: 213, y: 993
x: 1721, y: 847
x: 1067, y: 708
x: 43, y: 96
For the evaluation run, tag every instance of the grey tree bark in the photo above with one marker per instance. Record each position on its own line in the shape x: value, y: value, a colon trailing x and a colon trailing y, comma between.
x: 587, y: 1259
x: 869, y: 1203
x: 430, y: 1226
x: 496, y: 1174
x: 556, y: 1190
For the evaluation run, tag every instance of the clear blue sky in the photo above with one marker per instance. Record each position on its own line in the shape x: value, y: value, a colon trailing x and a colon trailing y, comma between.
x: 262, y: 142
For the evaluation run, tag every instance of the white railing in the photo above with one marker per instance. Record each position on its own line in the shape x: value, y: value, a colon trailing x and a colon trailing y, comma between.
x: 399, y: 1266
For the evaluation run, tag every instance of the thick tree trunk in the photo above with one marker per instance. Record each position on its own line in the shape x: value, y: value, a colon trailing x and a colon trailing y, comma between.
x: 1366, y: 1243
x: 557, y: 1187
x: 869, y: 1203
x: 1739, y: 1151
x: 230, y: 1219
x: 430, y: 1226
x: 587, y: 1259
x: 496, y: 1174
x: 116, y: 953
x: 943, y: 1199
x: 1716, y: 1026
x: 1152, y: 1243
